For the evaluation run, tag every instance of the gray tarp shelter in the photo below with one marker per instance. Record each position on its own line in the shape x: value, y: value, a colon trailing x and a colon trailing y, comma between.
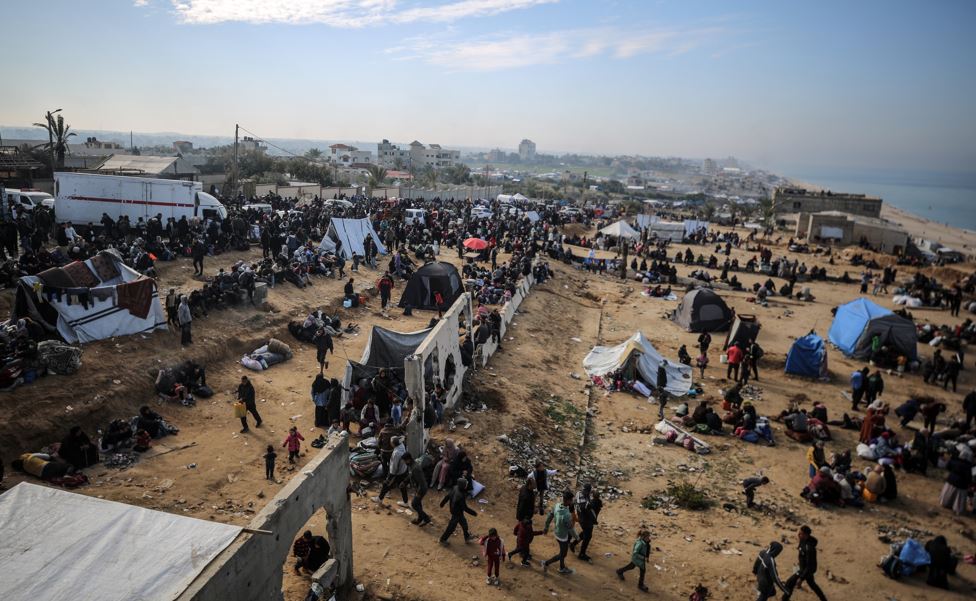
x: 386, y: 349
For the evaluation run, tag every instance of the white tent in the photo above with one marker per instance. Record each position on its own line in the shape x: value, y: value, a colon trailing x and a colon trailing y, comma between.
x: 666, y: 230
x: 63, y: 545
x: 620, y: 230
x: 511, y: 198
x: 644, y: 220
x: 91, y: 300
x: 605, y: 359
x: 692, y: 226
x: 352, y: 233
x: 533, y: 216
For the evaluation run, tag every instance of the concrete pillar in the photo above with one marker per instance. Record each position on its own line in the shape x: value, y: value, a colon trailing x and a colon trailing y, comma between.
x: 413, y: 376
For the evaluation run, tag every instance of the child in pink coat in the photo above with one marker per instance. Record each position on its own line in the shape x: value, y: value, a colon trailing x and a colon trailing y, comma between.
x: 294, y: 444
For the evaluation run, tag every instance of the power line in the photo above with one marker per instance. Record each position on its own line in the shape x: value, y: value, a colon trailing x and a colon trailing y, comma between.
x: 288, y: 152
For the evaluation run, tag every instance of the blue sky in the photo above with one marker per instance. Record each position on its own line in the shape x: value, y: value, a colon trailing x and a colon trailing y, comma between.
x: 856, y: 84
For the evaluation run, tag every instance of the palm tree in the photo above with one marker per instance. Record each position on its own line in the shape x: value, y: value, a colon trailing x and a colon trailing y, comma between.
x: 377, y: 175
x: 58, y: 133
x: 428, y: 177
x: 456, y: 174
x: 313, y: 153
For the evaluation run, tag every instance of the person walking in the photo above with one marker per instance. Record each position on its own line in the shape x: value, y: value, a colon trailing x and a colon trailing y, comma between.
x: 457, y: 501
x: 245, y: 394
x: 524, y: 534
x: 858, y: 387
x: 172, y: 308
x: 397, y: 473
x: 525, y: 506
x: 767, y: 575
x: 541, y: 476
x: 186, y: 319
x: 704, y: 341
x: 323, y: 344
x: 198, y: 251
x: 418, y: 480
x: 293, y: 443
x: 561, y: 519
x: 385, y: 285
x: 638, y: 559
x: 662, y: 387
x: 493, y: 550
x: 755, y: 353
x: 807, y: 560
x: 588, y: 506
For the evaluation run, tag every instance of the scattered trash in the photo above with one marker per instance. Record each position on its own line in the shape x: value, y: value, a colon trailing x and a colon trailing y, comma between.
x: 191, y: 466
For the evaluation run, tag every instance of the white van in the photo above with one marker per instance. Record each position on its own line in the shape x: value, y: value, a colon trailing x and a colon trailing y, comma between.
x: 28, y: 199
x: 415, y: 217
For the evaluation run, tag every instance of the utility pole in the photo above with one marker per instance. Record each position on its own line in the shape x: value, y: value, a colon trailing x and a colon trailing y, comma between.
x: 237, y: 158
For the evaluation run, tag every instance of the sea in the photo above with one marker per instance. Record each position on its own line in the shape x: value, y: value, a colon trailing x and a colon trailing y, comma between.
x: 948, y: 198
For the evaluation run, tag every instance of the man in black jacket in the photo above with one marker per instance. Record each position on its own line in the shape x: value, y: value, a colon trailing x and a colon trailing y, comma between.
x: 457, y: 497
x: 588, y: 506
x: 767, y: 575
x: 662, y: 384
x: 807, y: 559
x: 245, y: 394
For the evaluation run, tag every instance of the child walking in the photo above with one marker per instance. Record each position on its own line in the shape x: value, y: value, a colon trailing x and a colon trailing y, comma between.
x: 269, y: 461
x: 294, y: 444
x: 702, y: 362
x: 493, y: 551
x: 524, y: 533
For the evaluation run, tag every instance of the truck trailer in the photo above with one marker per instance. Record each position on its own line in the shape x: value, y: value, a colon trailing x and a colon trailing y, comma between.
x: 82, y: 198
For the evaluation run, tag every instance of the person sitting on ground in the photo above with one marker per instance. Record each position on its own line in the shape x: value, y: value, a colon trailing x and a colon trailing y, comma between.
x: 734, y: 395
x: 77, y: 449
x: 118, y: 434
x: 151, y: 422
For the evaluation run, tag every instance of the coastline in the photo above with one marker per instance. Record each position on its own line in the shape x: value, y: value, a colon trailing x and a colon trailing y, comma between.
x: 917, y: 226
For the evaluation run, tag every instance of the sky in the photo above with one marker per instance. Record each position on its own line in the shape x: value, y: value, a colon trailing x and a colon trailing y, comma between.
x: 874, y: 84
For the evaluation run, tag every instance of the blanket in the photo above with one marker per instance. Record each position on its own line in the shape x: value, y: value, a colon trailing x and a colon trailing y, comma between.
x: 136, y: 296
x: 56, y: 277
x: 105, y: 267
x: 81, y: 275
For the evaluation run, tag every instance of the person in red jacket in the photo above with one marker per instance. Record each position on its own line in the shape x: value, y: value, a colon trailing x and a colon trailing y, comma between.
x: 735, y: 356
x: 494, y: 550
x: 385, y: 285
x: 524, y: 533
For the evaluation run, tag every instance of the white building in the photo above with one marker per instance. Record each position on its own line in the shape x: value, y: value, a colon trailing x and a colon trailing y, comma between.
x: 343, y: 154
x: 526, y: 150
x: 416, y: 155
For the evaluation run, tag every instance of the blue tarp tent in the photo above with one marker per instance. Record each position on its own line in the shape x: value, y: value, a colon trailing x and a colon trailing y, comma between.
x: 807, y: 357
x: 856, y: 323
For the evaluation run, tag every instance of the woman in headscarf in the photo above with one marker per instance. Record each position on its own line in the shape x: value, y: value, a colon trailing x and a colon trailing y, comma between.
x: 958, y: 481
x: 941, y: 556
x: 335, y: 400
x: 443, y: 466
x: 77, y: 449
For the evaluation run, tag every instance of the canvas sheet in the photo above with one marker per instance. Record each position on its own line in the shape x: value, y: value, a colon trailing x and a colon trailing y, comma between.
x: 60, y: 545
x: 352, y: 233
x: 646, y: 220
x: 102, y: 318
x: 692, y: 226
x: 387, y: 348
x: 604, y: 359
x: 666, y: 230
x: 620, y: 230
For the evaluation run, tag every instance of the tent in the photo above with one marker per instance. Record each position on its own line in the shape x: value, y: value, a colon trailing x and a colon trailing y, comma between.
x: 643, y: 220
x: 63, y: 545
x: 702, y: 310
x: 639, y: 354
x: 385, y: 348
x: 352, y: 233
x: 532, y: 216
x: 859, y: 320
x: 693, y: 226
x: 666, y: 230
x: 620, y: 230
x: 807, y: 357
x: 437, y: 276
x: 90, y: 300
x: 511, y: 198
x: 744, y: 328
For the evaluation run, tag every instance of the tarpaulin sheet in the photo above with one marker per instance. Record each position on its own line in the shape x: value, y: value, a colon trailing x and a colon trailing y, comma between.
x: 59, y: 545
x: 646, y: 220
x: 352, y: 233
x: 692, y: 226
x: 605, y: 359
x: 620, y: 230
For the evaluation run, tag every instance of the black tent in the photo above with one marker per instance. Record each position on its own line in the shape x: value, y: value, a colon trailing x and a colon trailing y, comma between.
x: 702, y: 310
x: 432, y: 277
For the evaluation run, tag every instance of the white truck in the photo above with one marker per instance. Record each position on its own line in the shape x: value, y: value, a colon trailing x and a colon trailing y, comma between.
x: 81, y: 198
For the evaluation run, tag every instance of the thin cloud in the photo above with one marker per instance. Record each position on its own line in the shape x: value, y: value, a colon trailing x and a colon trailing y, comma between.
x: 339, y: 13
x: 511, y: 51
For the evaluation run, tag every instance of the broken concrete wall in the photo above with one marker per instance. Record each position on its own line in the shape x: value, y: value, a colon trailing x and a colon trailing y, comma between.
x: 486, y: 350
x: 251, y: 567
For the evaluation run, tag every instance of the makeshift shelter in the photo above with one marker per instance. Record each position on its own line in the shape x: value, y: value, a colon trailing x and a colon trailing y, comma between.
x: 620, y: 229
x: 856, y: 323
x: 693, y: 226
x: 642, y: 221
x: 666, y: 230
x: 807, y: 357
x: 352, y: 233
x: 532, y: 216
x: 432, y: 277
x: 638, y: 358
x: 744, y: 328
x: 90, y: 300
x: 63, y: 545
x: 702, y: 310
x: 384, y: 349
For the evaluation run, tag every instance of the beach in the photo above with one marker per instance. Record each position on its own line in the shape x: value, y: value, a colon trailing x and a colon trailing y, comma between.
x: 960, y: 239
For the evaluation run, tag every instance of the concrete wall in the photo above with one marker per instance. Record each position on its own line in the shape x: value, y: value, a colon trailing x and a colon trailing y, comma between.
x: 251, y: 567
x: 484, y: 352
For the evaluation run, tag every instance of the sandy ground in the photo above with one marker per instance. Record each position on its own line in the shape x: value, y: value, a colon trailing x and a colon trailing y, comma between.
x: 528, y: 385
x: 960, y: 239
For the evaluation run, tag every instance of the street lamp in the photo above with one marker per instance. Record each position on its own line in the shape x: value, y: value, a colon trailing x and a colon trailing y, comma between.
x: 50, y: 137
